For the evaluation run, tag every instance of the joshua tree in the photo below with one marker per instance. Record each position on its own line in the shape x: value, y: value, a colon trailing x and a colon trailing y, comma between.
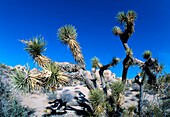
x: 108, y: 105
x: 105, y: 67
x: 149, y: 70
x: 51, y: 75
x: 67, y: 35
x: 35, y: 47
x: 95, y: 64
x: 127, y: 20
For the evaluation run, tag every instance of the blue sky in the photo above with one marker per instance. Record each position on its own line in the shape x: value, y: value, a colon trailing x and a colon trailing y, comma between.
x: 94, y: 20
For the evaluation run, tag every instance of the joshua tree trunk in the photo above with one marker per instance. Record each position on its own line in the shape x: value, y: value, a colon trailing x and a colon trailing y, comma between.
x: 141, y: 99
x: 94, y: 82
x: 124, y: 73
x: 125, y: 68
x: 141, y: 85
x: 94, y: 79
x: 102, y: 77
x: 103, y: 84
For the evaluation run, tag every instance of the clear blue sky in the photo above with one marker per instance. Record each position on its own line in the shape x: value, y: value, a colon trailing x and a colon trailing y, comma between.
x: 94, y: 20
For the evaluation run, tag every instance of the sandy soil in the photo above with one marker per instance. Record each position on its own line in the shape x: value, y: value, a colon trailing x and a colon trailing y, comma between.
x: 39, y: 101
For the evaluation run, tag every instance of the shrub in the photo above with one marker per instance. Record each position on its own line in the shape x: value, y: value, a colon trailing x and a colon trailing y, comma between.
x: 10, y: 105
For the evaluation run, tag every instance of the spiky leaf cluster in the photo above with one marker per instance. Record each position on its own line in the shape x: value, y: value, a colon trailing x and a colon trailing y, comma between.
x: 127, y: 19
x: 95, y: 62
x: 117, y: 89
x: 56, y: 76
x: 116, y: 30
x: 121, y: 17
x: 67, y: 35
x: 115, y: 60
x: 147, y: 54
x: 35, y: 46
x: 97, y: 99
x: 131, y: 15
x: 24, y: 81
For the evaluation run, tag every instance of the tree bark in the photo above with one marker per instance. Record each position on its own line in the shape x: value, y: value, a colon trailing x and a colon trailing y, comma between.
x: 102, y: 77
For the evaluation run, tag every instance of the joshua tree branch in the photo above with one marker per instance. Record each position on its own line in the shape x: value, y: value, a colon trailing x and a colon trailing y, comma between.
x: 135, y: 61
x: 105, y: 67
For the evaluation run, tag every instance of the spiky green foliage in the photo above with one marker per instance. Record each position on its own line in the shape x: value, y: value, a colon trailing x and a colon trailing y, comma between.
x: 152, y: 109
x: 35, y: 46
x: 116, y: 30
x: 131, y: 15
x: 98, y: 101
x: 129, y: 52
x: 67, y: 35
x: 127, y: 19
x: 147, y: 54
x: 55, y: 77
x: 121, y: 17
x: 131, y: 110
x: 115, y: 60
x: 10, y: 105
x: 95, y: 62
x: 25, y: 82
x: 117, y: 89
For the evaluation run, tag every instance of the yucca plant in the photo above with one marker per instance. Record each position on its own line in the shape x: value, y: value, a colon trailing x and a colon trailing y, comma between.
x: 115, y: 61
x: 95, y: 62
x: 55, y: 77
x: 121, y: 17
x: 131, y: 15
x: 35, y: 47
x: 117, y: 31
x: 127, y: 20
x: 26, y: 82
x: 147, y: 54
x: 67, y: 35
x: 117, y: 90
x: 98, y: 101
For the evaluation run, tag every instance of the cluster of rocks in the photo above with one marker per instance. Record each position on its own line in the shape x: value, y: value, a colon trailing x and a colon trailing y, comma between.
x: 75, y: 78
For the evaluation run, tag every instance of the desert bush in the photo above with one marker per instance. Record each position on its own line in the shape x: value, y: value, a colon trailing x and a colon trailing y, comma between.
x: 98, y: 101
x: 117, y: 90
x: 10, y: 105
